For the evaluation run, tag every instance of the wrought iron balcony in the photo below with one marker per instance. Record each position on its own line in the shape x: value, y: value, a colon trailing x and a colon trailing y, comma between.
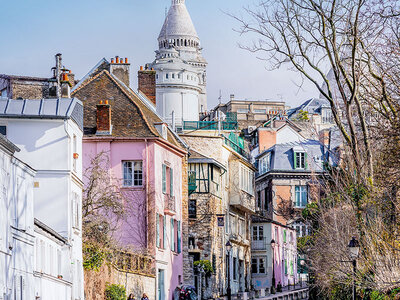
x: 169, y: 205
x: 209, y: 125
x: 259, y: 244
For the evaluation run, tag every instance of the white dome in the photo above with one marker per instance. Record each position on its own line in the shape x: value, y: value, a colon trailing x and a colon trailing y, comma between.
x: 178, y: 22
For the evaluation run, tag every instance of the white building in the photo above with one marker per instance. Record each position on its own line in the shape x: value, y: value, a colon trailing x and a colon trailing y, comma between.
x: 180, y: 68
x: 16, y: 225
x: 49, y: 134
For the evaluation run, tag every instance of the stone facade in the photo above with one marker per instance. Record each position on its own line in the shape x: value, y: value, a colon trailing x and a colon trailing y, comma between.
x: 24, y: 87
x: 96, y: 282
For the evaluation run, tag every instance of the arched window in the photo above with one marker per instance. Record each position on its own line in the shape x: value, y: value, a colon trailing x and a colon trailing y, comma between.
x: 185, y: 43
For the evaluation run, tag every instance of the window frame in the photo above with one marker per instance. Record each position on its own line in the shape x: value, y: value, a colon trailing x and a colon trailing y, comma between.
x: 140, y: 179
x: 300, y: 192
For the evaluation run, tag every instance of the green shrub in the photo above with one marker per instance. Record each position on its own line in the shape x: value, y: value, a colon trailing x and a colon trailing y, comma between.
x: 206, y: 264
x: 93, y: 257
x: 115, y: 292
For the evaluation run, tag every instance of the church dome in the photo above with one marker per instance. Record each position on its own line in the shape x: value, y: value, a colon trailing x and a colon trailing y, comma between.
x: 178, y: 23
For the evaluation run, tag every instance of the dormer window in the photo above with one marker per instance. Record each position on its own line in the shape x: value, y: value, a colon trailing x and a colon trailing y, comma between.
x: 264, y: 164
x: 300, y: 158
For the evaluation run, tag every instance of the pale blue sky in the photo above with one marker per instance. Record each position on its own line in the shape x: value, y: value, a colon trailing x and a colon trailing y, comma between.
x: 85, y: 31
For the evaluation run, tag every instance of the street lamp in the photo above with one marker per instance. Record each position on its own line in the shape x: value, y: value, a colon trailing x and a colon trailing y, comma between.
x: 354, y: 249
x: 302, y: 264
x: 273, y: 266
x: 228, y: 290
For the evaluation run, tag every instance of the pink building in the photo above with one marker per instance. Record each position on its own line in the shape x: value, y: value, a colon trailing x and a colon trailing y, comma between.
x: 274, y: 255
x: 148, y: 159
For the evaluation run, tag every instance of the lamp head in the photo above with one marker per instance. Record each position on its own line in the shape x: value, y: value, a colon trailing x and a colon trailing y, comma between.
x: 273, y: 243
x: 228, y: 246
x: 354, y: 248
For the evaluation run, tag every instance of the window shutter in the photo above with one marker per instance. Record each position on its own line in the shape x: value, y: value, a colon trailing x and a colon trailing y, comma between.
x: 164, y: 178
x: 171, y: 173
x: 164, y: 231
x: 295, y: 160
x: 172, y: 235
x: 179, y: 237
x: 158, y: 231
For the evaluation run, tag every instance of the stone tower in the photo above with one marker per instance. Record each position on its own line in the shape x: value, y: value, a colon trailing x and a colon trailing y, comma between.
x: 180, y: 68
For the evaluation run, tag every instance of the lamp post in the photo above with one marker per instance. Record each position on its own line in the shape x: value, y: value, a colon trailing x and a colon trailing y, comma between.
x: 354, y: 249
x: 228, y: 290
x: 273, y: 266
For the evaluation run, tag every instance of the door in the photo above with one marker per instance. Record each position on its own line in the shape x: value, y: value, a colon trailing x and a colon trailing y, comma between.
x: 161, y: 294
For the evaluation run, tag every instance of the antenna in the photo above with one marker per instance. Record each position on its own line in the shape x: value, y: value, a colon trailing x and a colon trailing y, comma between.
x: 166, y: 11
x: 220, y: 96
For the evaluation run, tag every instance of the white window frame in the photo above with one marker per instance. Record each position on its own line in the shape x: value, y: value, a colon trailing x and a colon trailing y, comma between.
x: 300, y: 191
x: 246, y: 179
x: 125, y: 181
x: 258, y: 263
x: 264, y: 163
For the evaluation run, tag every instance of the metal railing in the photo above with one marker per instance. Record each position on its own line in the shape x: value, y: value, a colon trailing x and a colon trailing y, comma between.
x: 259, y: 244
x: 170, y: 203
x: 236, y: 148
x: 209, y: 125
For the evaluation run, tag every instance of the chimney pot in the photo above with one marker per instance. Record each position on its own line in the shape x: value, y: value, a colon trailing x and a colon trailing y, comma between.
x: 126, y: 60
x: 112, y: 60
x: 106, y: 102
x: 101, y: 102
x: 117, y: 59
x: 141, y: 68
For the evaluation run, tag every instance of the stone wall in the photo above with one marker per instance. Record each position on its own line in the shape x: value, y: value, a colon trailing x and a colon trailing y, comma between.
x: 95, y: 283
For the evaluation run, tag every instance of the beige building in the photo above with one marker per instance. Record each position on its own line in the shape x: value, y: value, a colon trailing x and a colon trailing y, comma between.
x: 248, y: 112
x: 221, y: 203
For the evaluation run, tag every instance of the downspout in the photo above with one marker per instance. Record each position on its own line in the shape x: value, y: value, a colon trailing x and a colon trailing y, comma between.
x: 147, y: 190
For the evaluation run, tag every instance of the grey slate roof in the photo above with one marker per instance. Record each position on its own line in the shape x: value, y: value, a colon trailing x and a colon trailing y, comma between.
x: 312, y: 106
x: 63, y: 108
x: 282, y: 156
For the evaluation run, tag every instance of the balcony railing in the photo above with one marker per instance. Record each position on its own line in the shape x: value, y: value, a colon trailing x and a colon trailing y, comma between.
x: 259, y: 244
x: 192, y: 182
x: 209, y: 125
x: 236, y: 148
x: 169, y: 205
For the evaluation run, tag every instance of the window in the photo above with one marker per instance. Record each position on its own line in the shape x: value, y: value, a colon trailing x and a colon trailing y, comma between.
x: 260, y: 111
x: 133, y: 174
x: 242, y: 227
x: 327, y: 116
x: 173, y: 76
x: 3, y: 130
x: 258, y: 265
x: 300, y: 160
x: 161, y: 231
x: 246, y: 180
x: 76, y: 211
x: 232, y: 224
x: 234, y: 267
x: 74, y: 149
x: 192, y: 209
x: 156, y: 76
x: 3, y: 93
x: 242, y: 110
x: 301, y: 229
x: 179, y: 76
x: 166, y: 76
x: 300, y: 196
x: 258, y: 232
x: 167, y: 180
x: 259, y: 200
x: 264, y: 164
x: 284, y: 235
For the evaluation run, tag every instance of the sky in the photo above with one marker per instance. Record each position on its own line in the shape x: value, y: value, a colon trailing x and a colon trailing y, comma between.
x: 85, y: 31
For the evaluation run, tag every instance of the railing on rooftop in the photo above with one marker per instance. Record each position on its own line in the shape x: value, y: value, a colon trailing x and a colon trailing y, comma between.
x: 209, y: 125
x: 236, y: 148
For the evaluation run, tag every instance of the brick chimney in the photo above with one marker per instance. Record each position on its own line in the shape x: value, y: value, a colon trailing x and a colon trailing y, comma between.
x: 120, y: 68
x: 65, y: 86
x: 103, y: 118
x: 266, y: 138
x: 324, y: 137
x: 147, y: 83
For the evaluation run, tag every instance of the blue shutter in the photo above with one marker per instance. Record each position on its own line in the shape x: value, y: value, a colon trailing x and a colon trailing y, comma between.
x: 164, y: 178
x: 172, y: 235
x: 297, y: 196
x: 164, y: 232
x: 179, y: 237
x: 305, y: 161
x: 158, y: 231
x: 171, y: 173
